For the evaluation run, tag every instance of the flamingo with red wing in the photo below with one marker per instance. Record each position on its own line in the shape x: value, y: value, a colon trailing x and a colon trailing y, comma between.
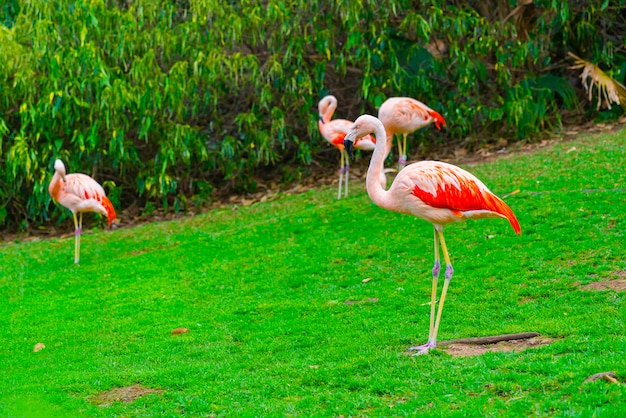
x: 79, y: 193
x: 437, y: 192
x: 403, y: 115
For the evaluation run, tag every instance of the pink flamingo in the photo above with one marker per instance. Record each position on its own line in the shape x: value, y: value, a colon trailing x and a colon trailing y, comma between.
x: 79, y: 193
x: 334, y: 132
x: 403, y: 115
x: 437, y: 192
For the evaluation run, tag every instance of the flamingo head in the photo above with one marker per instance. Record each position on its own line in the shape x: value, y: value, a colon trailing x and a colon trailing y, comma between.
x: 59, y: 167
x: 326, y: 108
x: 363, y: 125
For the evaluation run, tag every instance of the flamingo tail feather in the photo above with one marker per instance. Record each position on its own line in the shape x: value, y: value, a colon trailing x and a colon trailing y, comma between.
x: 109, y: 208
x: 439, y: 120
x: 497, y: 205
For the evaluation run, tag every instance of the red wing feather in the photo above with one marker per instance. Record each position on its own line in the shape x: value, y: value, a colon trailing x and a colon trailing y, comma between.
x: 471, y: 195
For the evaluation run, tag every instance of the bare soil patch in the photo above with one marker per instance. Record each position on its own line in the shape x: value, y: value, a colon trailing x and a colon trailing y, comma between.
x: 618, y: 285
x: 126, y: 394
x: 466, y: 350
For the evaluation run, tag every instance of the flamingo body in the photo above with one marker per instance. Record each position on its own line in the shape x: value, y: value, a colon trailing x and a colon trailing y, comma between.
x: 404, y: 115
x: 442, y: 193
x: 437, y: 192
x: 334, y: 131
x: 79, y: 193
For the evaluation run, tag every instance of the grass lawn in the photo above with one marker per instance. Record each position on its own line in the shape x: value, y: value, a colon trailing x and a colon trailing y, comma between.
x: 263, y: 291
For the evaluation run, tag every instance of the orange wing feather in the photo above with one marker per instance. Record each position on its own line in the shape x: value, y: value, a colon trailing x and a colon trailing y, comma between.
x: 109, y: 207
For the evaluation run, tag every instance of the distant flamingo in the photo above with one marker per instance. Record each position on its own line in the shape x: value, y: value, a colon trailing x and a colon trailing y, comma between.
x: 79, y: 193
x: 334, y: 132
x: 403, y: 115
x: 437, y: 192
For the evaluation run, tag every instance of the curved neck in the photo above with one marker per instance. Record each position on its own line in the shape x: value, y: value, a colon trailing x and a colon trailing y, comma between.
x: 372, y: 182
x: 55, y: 184
x: 328, y: 114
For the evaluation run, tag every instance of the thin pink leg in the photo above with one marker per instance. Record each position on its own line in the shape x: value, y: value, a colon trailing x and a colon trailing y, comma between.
x: 423, y: 349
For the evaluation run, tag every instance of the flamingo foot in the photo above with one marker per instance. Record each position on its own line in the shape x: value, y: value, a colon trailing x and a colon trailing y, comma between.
x: 422, y: 349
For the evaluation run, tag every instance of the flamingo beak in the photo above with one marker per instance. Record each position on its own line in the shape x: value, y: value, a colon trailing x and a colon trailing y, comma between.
x: 349, y: 147
x: 321, y: 119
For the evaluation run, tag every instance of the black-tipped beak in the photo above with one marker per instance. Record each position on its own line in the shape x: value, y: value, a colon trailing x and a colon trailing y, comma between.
x: 349, y: 148
x: 321, y: 119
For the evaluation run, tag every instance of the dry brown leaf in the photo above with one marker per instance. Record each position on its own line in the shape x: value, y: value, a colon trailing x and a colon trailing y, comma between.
x: 366, y: 280
x: 510, y: 194
x: 38, y: 347
x: 178, y: 331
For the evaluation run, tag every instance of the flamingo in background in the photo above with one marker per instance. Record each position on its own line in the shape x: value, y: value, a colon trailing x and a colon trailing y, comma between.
x: 437, y: 192
x: 403, y: 115
x: 79, y: 193
x: 334, y: 132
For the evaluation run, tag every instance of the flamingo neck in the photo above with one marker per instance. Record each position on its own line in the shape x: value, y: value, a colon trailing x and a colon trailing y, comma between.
x: 326, y: 117
x: 372, y: 182
x: 55, y: 184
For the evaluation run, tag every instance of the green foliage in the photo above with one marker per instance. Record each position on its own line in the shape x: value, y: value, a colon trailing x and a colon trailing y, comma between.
x: 282, y: 324
x: 157, y: 97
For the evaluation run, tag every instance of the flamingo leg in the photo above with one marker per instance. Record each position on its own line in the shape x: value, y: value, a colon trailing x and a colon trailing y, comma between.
x: 402, y: 161
x: 80, y: 230
x: 400, y: 153
x: 423, y: 349
x: 347, y: 174
x: 77, y: 231
x: 446, y: 283
x: 341, y: 170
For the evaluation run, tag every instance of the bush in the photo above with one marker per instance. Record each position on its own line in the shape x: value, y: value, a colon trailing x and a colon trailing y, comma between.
x: 166, y: 100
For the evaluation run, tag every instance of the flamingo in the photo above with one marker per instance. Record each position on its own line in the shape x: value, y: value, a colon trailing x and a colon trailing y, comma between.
x: 79, y: 193
x: 403, y: 115
x: 436, y: 192
x: 334, y: 132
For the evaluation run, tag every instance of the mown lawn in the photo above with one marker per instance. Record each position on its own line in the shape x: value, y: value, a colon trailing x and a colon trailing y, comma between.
x: 263, y: 291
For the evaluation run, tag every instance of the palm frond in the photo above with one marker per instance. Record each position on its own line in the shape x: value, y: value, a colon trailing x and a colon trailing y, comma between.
x: 609, y: 90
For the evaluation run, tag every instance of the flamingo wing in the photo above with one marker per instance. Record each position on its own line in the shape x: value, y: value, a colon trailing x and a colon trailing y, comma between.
x: 84, y: 194
x: 413, y: 114
x: 405, y: 111
x: 445, y: 186
x: 335, y: 131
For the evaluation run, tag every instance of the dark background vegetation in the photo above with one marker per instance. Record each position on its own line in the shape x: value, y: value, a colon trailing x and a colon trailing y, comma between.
x: 166, y: 101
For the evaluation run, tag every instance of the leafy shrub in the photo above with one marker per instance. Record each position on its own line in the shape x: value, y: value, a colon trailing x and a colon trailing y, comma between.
x: 166, y: 100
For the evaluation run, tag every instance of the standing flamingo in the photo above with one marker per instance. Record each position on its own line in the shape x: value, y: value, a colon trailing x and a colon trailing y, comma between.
x: 403, y: 115
x: 437, y: 192
x: 79, y: 193
x: 334, y: 132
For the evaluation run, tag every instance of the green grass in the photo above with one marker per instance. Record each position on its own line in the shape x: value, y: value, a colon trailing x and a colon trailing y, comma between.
x: 263, y: 289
